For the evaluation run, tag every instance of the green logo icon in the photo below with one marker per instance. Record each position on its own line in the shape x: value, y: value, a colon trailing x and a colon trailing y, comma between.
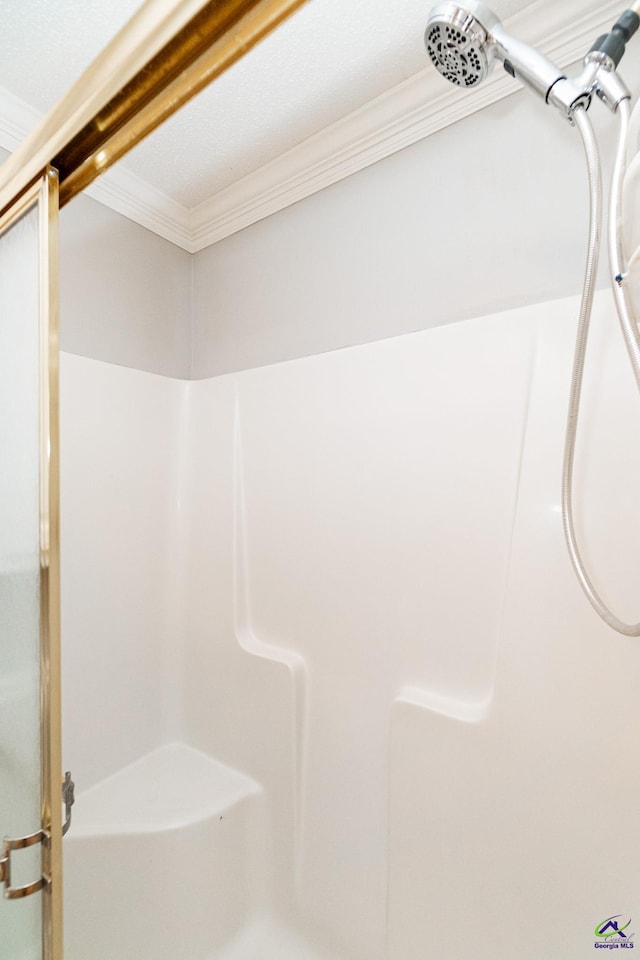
x: 611, y: 928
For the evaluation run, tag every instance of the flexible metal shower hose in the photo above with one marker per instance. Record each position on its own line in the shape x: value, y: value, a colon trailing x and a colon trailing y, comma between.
x: 629, y: 332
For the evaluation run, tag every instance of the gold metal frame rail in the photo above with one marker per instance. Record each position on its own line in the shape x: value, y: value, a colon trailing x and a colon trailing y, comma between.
x: 167, y: 53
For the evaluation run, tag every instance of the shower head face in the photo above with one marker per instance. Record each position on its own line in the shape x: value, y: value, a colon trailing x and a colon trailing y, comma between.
x: 464, y: 41
x: 458, y: 42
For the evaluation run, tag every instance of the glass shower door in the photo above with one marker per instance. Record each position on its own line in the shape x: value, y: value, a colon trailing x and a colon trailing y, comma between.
x: 30, y: 814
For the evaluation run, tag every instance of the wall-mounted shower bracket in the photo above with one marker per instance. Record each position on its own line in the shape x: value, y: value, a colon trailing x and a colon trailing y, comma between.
x: 598, y: 77
x: 608, y: 85
x: 599, y: 74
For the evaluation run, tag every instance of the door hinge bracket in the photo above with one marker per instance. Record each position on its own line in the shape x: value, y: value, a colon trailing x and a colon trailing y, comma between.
x: 42, y: 836
x: 8, y: 846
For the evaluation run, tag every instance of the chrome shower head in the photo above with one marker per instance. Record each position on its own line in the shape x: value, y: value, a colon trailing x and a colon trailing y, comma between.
x: 457, y: 40
x: 464, y: 41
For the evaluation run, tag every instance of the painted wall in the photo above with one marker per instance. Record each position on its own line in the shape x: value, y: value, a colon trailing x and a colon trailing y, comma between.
x: 485, y: 215
x: 439, y: 232
x: 125, y: 294
x: 376, y: 619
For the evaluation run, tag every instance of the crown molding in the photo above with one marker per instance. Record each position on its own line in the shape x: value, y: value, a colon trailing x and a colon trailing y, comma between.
x: 404, y: 115
x: 409, y: 112
x: 118, y: 189
x: 138, y: 200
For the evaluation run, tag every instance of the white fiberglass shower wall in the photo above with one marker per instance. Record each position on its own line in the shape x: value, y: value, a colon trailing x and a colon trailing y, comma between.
x: 332, y: 689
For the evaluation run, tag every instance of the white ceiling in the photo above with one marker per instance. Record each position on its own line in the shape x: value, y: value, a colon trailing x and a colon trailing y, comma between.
x: 329, y: 59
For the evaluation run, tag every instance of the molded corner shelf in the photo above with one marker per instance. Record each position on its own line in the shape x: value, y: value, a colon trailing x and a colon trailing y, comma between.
x: 173, y: 787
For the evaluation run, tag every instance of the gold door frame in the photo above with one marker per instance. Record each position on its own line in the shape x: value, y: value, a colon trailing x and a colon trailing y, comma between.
x: 50, y: 653
x: 43, y: 194
x: 167, y: 53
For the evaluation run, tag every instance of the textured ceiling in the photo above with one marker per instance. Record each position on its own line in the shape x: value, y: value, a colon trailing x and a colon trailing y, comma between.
x: 330, y: 58
x: 44, y: 46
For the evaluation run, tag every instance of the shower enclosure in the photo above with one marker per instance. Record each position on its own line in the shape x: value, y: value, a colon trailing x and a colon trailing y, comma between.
x: 330, y: 683
x: 290, y: 704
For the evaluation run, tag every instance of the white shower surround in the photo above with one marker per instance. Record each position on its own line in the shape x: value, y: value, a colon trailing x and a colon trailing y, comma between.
x: 345, y: 578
